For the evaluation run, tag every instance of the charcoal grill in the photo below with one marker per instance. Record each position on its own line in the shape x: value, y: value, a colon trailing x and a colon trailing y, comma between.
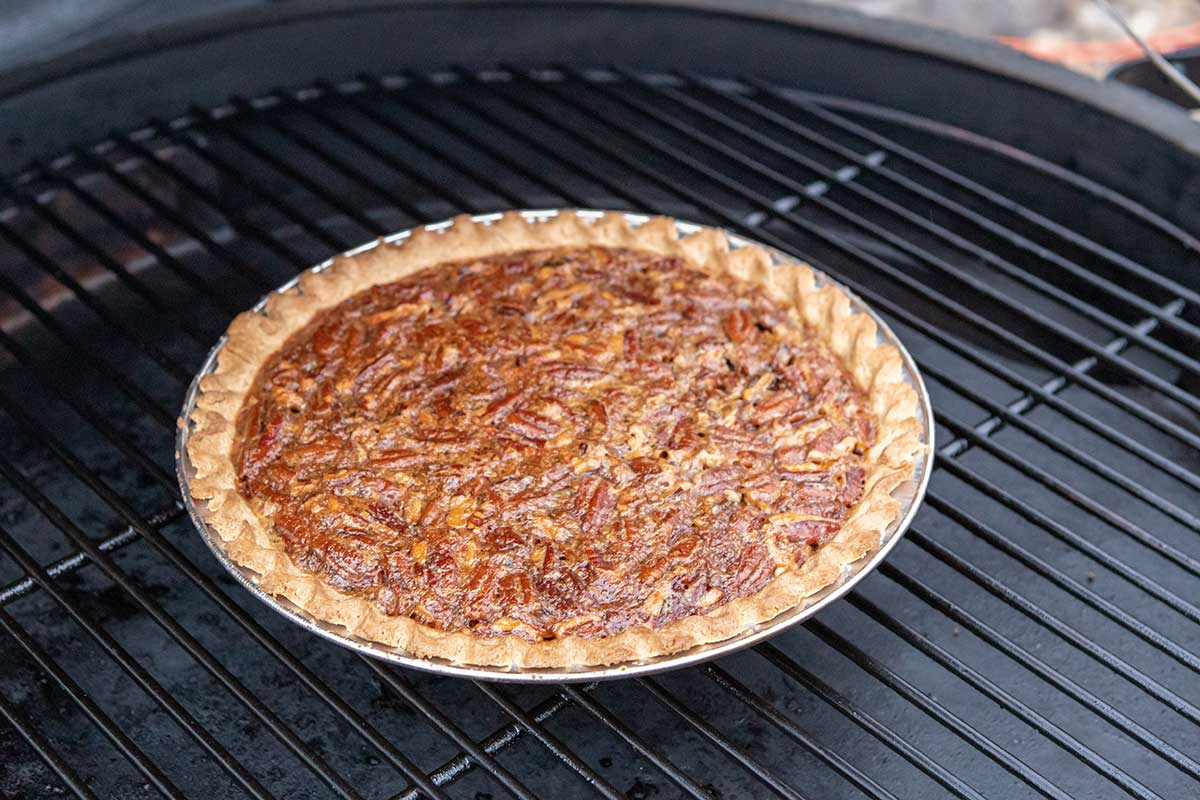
x: 1035, y: 633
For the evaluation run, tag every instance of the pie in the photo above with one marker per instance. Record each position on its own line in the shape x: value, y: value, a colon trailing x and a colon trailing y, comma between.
x: 553, y: 443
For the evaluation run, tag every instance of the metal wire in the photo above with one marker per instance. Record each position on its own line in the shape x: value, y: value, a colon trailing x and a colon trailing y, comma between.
x: 794, y: 732
x: 1161, y: 64
x: 1141, y: 274
x: 817, y: 231
x: 135, y: 670
x: 103, y: 722
x: 1044, y: 671
x: 739, y: 754
x: 569, y: 198
x: 826, y: 109
x: 1005, y: 699
x: 138, y: 287
x: 45, y: 750
x: 653, y: 111
x: 501, y: 111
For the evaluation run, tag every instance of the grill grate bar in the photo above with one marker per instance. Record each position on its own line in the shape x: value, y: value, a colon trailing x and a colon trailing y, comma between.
x: 626, y: 734
x: 338, y: 163
x: 1013, y: 414
x: 1047, y: 673
x: 287, y: 256
x: 401, y: 687
x: 1003, y: 265
x: 45, y: 751
x: 1140, y: 271
x: 1056, y: 384
x: 461, y: 763
x: 939, y: 713
x: 239, y: 266
x: 549, y: 740
x: 102, y: 364
x: 135, y: 234
x: 70, y: 396
x: 445, y: 125
x: 143, y: 343
x: 177, y: 633
x: 865, y: 721
x: 865, y: 162
x: 1043, y: 395
x: 136, y: 756
x: 240, y: 178
x: 1056, y: 626
x: 135, y: 671
x: 1116, y: 345
x: 711, y: 734
x: 1065, y: 333
x: 150, y: 532
x: 455, y: 130
x: 130, y: 281
x: 456, y: 198
x: 68, y: 564
x: 1077, y: 542
x: 1004, y: 699
x: 1018, y: 343
x: 282, y: 167
x: 1083, y: 501
x: 794, y: 732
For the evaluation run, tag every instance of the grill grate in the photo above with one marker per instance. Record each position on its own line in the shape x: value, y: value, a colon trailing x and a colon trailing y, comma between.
x: 1034, y: 635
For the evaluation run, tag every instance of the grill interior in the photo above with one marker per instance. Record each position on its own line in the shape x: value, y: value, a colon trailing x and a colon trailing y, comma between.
x: 1035, y: 634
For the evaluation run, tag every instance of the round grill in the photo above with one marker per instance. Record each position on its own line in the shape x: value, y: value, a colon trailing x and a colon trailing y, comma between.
x: 1035, y: 634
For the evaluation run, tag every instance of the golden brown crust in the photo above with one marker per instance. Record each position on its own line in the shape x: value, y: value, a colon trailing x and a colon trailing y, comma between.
x: 254, y: 337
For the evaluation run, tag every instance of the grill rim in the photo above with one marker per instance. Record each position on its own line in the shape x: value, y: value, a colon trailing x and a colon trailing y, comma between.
x: 1137, y: 108
x: 852, y: 573
x: 983, y: 745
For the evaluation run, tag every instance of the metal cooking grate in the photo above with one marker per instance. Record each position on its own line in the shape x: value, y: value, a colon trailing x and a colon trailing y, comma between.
x: 1035, y: 634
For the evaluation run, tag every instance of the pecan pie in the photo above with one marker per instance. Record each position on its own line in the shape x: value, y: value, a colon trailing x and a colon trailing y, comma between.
x: 570, y: 442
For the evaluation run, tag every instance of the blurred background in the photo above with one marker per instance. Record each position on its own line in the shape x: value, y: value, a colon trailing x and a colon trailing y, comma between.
x: 1075, y: 32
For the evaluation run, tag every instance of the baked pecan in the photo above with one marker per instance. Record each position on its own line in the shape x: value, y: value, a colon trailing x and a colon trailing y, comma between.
x: 738, y: 325
x: 597, y: 413
x: 594, y: 503
x: 754, y: 568
x: 570, y: 442
x: 533, y: 426
x: 571, y: 371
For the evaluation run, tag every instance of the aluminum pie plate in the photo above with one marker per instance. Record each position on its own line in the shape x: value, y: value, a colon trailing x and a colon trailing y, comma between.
x: 908, y: 494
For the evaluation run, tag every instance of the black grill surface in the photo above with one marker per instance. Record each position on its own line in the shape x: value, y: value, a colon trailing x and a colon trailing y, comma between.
x: 1036, y: 634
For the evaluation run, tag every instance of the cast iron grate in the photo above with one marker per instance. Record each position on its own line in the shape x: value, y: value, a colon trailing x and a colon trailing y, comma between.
x: 1036, y: 634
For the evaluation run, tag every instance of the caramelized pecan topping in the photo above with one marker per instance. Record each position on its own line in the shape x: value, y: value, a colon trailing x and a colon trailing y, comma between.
x: 552, y: 443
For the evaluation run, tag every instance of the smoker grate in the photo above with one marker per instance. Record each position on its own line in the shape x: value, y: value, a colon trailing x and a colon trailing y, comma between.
x: 1035, y: 634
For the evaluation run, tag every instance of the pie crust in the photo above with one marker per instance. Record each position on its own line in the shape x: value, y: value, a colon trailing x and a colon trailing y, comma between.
x: 253, y: 337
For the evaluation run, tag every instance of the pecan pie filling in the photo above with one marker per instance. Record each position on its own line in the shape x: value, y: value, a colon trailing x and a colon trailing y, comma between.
x: 569, y: 441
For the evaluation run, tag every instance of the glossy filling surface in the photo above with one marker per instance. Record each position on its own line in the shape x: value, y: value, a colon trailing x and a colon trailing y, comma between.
x: 561, y: 442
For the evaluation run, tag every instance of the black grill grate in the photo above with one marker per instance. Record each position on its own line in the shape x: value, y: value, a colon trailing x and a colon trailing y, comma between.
x: 1036, y: 633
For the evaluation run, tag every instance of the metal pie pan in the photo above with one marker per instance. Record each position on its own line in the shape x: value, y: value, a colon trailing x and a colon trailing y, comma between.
x: 908, y: 494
